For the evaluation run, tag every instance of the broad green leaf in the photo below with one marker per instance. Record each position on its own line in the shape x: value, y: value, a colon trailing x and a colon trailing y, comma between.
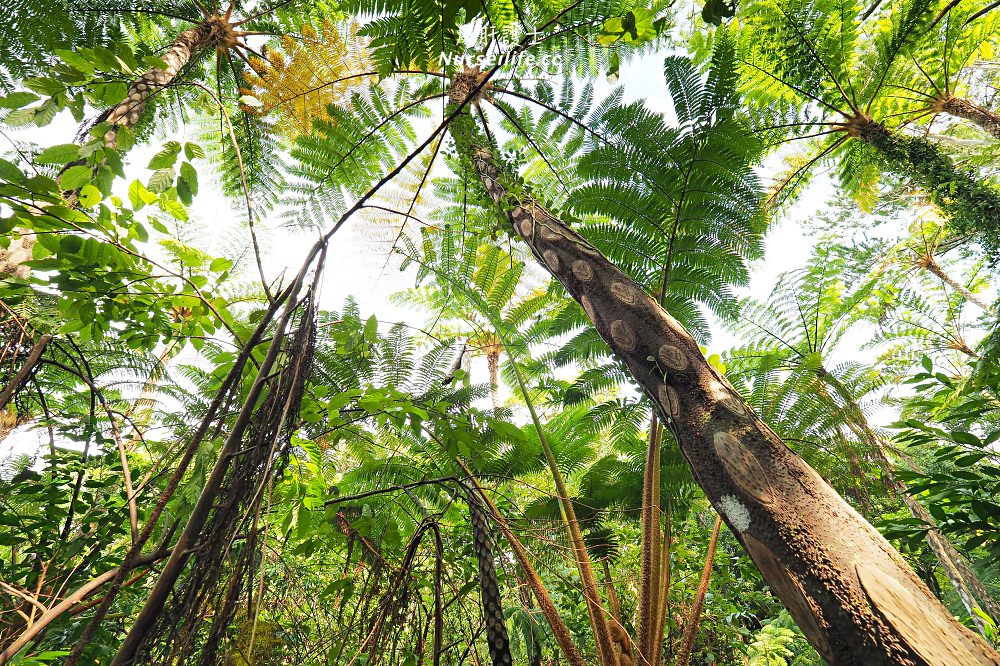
x: 221, y: 264
x: 371, y: 329
x: 139, y: 196
x: 189, y: 174
x: 76, y: 177
x: 176, y: 209
x: 63, y: 153
x: 44, y: 86
x: 89, y: 196
x: 193, y: 150
x: 166, y: 157
x: 9, y: 172
x: 161, y: 180
x: 18, y: 99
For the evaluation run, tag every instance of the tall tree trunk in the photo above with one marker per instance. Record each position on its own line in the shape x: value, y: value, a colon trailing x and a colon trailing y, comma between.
x: 559, y: 629
x: 930, y: 264
x: 214, y: 31
x: 850, y: 592
x: 988, y: 120
x: 665, y: 542
x: 497, y: 640
x: 972, y: 205
x: 694, y: 618
x: 24, y: 372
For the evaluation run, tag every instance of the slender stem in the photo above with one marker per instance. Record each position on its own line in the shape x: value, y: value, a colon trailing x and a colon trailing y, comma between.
x: 691, y: 627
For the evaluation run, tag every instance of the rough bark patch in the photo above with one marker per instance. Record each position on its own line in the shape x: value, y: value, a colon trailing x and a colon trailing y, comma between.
x: 623, y: 335
x: 672, y: 357
x: 922, y: 626
x: 624, y: 293
x: 791, y: 593
x: 582, y: 270
x: 742, y: 466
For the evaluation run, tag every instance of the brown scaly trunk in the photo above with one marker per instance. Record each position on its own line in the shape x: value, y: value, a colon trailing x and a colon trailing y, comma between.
x: 12, y: 257
x: 850, y: 592
x: 930, y: 264
x: 210, y: 33
x: 492, y: 351
x: 497, y: 640
x: 559, y: 629
x: 694, y: 618
x: 24, y: 372
x: 988, y: 120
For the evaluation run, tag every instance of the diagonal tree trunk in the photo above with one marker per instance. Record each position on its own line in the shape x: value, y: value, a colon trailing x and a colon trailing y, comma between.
x: 988, y: 120
x: 850, y: 592
x: 497, y: 640
x: 213, y: 32
x: 972, y: 206
x: 930, y: 264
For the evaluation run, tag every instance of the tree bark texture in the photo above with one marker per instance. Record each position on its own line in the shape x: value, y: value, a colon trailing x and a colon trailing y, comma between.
x: 482, y: 543
x: 850, y: 592
x: 988, y: 120
x: 210, y: 33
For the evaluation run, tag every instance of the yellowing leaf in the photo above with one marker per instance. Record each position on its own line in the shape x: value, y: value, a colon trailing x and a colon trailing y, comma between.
x: 89, y: 196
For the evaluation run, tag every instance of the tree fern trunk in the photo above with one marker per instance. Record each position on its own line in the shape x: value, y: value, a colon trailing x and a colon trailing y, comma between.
x: 950, y: 560
x: 972, y: 206
x: 210, y: 33
x: 548, y: 608
x: 988, y: 120
x: 930, y: 264
x: 496, y: 627
x: 850, y: 592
